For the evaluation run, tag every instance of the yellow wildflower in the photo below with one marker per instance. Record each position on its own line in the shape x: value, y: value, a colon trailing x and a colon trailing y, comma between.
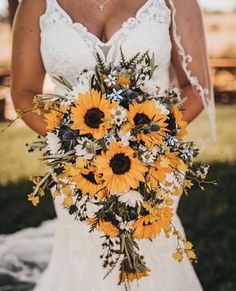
x: 68, y: 201
x: 191, y: 255
x: 188, y: 245
x: 131, y: 276
x: 188, y: 184
x: 123, y: 80
x: 178, y: 255
x: 33, y: 199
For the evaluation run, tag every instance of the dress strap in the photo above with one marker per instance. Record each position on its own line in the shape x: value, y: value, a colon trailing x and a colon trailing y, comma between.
x: 162, y: 3
x: 46, y: 18
x: 50, y: 4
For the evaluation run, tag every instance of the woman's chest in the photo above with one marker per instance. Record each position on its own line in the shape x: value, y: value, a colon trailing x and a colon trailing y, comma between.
x: 67, y: 48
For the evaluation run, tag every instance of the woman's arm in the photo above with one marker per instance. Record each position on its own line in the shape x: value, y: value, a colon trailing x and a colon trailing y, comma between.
x: 27, y: 68
x: 190, y: 26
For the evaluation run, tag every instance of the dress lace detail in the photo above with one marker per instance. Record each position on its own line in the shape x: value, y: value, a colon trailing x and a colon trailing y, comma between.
x: 204, y: 93
x: 152, y: 13
x: 67, y: 48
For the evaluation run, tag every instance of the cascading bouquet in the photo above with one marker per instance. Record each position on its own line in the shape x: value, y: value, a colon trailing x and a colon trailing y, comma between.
x: 116, y: 141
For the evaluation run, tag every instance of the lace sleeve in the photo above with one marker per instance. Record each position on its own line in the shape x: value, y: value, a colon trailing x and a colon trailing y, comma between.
x: 189, y: 37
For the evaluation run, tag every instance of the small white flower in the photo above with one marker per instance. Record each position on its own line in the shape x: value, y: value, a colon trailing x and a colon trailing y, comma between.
x: 125, y: 137
x: 130, y: 198
x: 108, y: 140
x: 53, y: 143
x: 119, y: 114
x: 143, y: 67
x: 142, y: 147
x: 115, y: 95
x: 162, y: 107
x: 202, y: 171
x: 86, y: 148
x: 72, y: 95
x: 83, y: 86
x: 150, y: 87
x: 118, y: 218
x: 111, y: 78
x: 126, y: 225
x: 148, y: 157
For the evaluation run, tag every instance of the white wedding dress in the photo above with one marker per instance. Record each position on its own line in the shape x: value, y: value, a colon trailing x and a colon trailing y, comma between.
x: 67, y: 48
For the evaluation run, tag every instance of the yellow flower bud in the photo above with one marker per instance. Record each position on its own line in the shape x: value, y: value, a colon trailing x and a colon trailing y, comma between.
x: 68, y: 201
x: 191, y: 254
x: 33, y: 199
x: 178, y: 255
x: 188, y: 245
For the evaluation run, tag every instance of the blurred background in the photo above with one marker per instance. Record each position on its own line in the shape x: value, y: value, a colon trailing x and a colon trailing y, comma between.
x: 209, y: 217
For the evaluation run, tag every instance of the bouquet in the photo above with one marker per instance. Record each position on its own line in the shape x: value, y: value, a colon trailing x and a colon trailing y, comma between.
x: 116, y: 141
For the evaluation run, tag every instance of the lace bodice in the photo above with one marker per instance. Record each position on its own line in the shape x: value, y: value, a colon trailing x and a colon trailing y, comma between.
x: 67, y: 47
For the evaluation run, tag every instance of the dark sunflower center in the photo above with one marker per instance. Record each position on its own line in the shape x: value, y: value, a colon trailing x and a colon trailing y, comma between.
x: 141, y: 119
x: 93, y: 117
x: 120, y: 164
x: 149, y: 223
x: 90, y: 177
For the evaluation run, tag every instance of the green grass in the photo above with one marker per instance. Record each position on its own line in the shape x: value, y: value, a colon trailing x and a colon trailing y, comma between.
x: 15, y: 161
x: 208, y: 217
x: 223, y: 149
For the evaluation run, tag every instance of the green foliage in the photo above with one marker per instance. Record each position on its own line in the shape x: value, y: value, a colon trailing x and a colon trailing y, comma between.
x: 101, y: 63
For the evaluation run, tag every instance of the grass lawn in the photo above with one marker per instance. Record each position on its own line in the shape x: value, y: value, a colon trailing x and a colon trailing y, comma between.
x: 208, y: 217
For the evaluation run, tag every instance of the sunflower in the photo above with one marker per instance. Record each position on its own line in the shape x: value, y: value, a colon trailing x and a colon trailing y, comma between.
x: 149, y: 117
x: 120, y: 169
x: 182, y: 125
x: 92, y: 113
x: 85, y: 178
x: 104, y: 226
x: 150, y: 226
x: 123, y: 80
x: 108, y: 228
x: 131, y: 276
x: 53, y: 119
x: 163, y: 166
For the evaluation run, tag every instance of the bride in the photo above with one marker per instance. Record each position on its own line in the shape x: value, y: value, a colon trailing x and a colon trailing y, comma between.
x: 62, y: 37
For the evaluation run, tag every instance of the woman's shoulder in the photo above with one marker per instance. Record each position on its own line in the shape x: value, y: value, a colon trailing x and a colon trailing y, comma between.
x: 31, y: 8
x: 191, y: 5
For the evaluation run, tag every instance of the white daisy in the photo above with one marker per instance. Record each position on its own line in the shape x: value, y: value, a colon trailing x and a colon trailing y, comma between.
x: 119, y: 114
x: 143, y: 67
x: 86, y: 148
x: 130, y: 198
x: 148, y: 157
x: 53, y: 143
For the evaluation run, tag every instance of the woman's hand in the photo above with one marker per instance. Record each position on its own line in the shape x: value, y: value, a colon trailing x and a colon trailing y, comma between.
x: 27, y: 68
x: 193, y: 105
